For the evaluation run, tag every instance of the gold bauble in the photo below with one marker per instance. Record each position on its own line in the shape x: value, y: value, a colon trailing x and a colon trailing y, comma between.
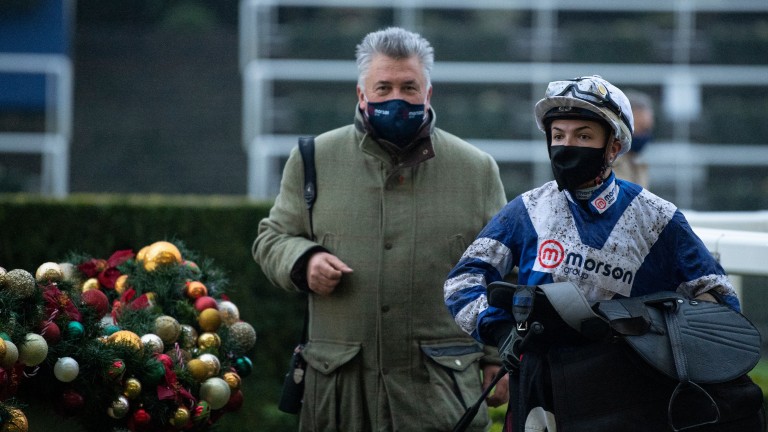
x: 188, y: 336
x: 243, y: 335
x: 209, y: 320
x: 11, y: 355
x: 214, y: 365
x: 90, y: 284
x: 121, y: 283
x: 19, y: 282
x: 132, y: 388
x: 168, y: 329
x: 199, y: 369
x: 161, y: 253
x: 209, y: 340
x: 119, y: 408
x: 233, y: 380
x: 229, y: 312
x: 195, y: 289
x: 17, y: 421
x: 126, y: 337
x: 142, y: 253
x: 180, y: 417
x: 49, y: 272
x: 3, y: 349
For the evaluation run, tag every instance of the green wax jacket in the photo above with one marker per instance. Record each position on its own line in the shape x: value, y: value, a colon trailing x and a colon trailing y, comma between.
x: 384, y: 353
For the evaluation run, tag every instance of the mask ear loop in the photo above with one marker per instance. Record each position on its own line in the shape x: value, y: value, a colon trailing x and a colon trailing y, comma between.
x: 607, y: 163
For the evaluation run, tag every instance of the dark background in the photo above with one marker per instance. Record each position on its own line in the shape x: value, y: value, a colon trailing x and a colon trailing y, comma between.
x: 158, y: 89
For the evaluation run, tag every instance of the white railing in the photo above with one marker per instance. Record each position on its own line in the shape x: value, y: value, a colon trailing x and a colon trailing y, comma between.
x: 688, y: 161
x: 52, y: 143
x: 741, y: 253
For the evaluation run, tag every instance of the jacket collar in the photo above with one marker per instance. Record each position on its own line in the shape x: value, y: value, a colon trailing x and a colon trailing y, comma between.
x: 416, y: 152
x: 603, y: 198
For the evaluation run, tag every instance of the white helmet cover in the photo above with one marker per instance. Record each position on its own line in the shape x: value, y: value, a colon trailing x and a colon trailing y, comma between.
x: 594, y: 94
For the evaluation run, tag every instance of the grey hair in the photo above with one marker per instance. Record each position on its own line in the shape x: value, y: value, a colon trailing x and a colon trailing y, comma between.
x: 396, y: 43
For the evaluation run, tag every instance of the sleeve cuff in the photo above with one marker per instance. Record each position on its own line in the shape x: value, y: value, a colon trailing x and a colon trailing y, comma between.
x: 299, y: 270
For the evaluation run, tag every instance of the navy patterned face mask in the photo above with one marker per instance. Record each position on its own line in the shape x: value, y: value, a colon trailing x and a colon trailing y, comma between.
x: 396, y: 120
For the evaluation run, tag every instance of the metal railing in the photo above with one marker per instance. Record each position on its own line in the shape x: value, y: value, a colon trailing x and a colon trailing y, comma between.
x: 265, y: 148
x: 53, y: 142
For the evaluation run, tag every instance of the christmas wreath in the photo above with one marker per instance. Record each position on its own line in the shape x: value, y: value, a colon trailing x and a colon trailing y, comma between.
x: 145, y: 342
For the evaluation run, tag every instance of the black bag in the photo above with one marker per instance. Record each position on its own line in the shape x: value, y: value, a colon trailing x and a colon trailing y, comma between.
x: 651, y: 363
x: 292, y: 393
x: 293, y: 384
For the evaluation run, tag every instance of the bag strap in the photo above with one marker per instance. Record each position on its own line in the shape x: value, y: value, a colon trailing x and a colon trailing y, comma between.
x: 307, y: 150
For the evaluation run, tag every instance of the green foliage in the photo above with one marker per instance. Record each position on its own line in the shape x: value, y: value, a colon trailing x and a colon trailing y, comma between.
x: 37, y: 230
x: 497, y: 417
x: 760, y: 376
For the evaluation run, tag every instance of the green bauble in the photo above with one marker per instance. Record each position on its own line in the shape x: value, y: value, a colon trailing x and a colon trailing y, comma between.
x: 154, y: 373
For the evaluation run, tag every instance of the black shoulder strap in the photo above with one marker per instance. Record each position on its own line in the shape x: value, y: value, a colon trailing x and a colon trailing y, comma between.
x: 307, y: 150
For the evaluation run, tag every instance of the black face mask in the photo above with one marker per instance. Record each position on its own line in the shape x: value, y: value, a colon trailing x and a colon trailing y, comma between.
x: 574, y: 166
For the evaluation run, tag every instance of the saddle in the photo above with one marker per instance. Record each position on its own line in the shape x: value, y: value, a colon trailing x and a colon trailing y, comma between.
x: 691, y: 342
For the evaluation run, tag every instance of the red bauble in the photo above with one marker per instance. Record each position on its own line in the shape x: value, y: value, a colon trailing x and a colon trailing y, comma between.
x: 205, y: 302
x: 50, y: 332
x: 235, y: 402
x: 13, y: 375
x: 141, y: 417
x: 71, y: 402
x: 165, y: 359
x: 97, y: 300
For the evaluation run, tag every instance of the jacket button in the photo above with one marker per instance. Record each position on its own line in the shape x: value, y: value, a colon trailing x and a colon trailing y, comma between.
x: 326, y: 365
x: 388, y: 246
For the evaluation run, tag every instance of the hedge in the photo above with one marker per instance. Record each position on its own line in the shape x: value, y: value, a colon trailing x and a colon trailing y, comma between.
x: 34, y: 230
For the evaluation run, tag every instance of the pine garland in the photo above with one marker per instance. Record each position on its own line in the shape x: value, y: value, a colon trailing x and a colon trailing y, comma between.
x: 122, y: 382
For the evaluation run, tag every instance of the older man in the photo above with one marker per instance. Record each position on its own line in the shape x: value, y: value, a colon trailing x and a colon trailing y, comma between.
x: 398, y: 201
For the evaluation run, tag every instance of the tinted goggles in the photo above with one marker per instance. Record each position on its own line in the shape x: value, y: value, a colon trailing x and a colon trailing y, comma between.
x: 588, y: 90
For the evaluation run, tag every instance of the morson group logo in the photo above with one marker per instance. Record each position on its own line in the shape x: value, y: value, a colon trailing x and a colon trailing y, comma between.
x: 600, y: 204
x: 552, y: 254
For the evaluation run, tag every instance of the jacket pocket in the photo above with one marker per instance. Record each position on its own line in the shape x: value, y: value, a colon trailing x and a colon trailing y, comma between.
x: 333, y: 392
x: 454, y: 368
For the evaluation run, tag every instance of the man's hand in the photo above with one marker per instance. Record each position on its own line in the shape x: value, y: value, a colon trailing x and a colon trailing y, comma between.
x: 500, y: 394
x: 324, y: 272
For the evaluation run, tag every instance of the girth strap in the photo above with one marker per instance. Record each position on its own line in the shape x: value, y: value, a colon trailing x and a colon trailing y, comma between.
x: 686, y: 391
